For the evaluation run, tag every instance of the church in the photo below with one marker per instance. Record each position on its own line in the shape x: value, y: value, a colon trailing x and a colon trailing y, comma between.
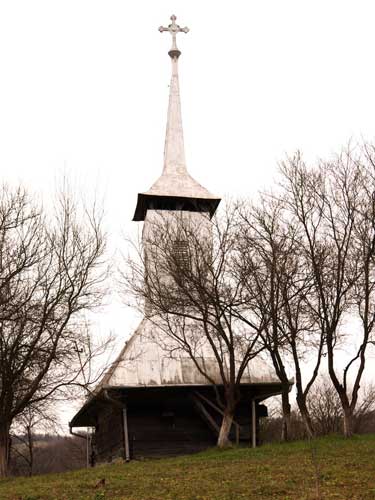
x: 150, y: 404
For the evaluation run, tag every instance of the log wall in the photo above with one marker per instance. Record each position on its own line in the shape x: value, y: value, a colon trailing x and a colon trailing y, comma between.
x: 161, y: 424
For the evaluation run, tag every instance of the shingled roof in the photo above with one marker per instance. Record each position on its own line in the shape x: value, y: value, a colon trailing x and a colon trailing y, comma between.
x: 146, y: 361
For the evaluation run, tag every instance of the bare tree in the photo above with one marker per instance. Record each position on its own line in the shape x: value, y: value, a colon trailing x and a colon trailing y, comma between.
x: 36, y: 418
x: 333, y: 205
x: 273, y: 269
x: 52, y: 452
x: 262, y: 255
x: 364, y: 421
x: 50, y: 274
x: 362, y: 162
x: 184, y: 278
x: 288, y: 275
x: 325, y: 407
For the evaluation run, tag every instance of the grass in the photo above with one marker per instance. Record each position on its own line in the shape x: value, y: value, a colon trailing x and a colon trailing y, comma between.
x: 329, y: 468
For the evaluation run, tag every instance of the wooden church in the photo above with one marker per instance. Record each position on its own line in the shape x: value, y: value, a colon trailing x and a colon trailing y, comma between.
x: 150, y: 404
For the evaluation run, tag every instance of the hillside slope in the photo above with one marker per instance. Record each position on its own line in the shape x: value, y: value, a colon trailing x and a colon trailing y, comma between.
x: 330, y: 468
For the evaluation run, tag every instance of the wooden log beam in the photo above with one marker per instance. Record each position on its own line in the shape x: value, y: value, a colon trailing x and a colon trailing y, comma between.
x: 204, y: 413
x: 214, y: 406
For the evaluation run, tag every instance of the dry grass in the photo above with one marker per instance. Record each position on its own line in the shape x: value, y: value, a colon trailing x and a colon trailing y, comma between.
x: 329, y: 468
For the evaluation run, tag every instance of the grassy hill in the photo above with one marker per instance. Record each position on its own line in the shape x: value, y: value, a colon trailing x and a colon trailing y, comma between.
x: 330, y: 468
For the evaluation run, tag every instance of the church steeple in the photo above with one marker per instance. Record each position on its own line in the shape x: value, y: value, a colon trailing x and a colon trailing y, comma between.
x: 175, y: 189
x: 174, y: 152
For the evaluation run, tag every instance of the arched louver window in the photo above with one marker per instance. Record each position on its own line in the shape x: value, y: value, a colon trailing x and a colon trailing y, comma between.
x: 181, y: 253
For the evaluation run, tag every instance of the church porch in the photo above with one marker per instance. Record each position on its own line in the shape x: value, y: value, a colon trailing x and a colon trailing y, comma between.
x: 144, y: 422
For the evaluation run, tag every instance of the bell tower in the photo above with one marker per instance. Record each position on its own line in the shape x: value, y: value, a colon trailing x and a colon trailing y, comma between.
x: 154, y: 400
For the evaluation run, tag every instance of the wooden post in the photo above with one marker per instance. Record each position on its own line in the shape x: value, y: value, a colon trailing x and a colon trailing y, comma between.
x: 87, y: 448
x: 253, y: 424
x: 126, y: 434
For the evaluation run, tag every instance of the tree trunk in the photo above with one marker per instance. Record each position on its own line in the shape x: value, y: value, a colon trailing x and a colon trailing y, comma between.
x: 341, y: 391
x: 305, y: 417
x: 308, y: 424
x: 348, y: 422
x: 4, y: 449
x: 30, y: 444
x: 286, y: 424
x: 226, y: 424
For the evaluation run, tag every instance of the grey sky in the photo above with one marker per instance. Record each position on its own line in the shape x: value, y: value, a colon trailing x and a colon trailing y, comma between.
x: 84, y: 87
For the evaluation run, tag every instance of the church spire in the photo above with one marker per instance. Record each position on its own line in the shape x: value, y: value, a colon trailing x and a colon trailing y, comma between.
x: 175, y: 189
x: 174, y: 152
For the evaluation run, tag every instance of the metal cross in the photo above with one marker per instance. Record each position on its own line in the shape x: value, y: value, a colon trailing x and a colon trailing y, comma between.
x: 173, y: 29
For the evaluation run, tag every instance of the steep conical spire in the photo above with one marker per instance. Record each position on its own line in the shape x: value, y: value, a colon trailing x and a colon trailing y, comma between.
x: 174, y: 153
x: 175, y: 189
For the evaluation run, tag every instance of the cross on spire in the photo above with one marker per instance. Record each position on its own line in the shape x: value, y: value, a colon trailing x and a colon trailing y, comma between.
x: 173, y: 29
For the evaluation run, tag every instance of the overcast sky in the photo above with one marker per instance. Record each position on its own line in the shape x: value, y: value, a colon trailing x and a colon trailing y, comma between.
x: 84, y: 88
